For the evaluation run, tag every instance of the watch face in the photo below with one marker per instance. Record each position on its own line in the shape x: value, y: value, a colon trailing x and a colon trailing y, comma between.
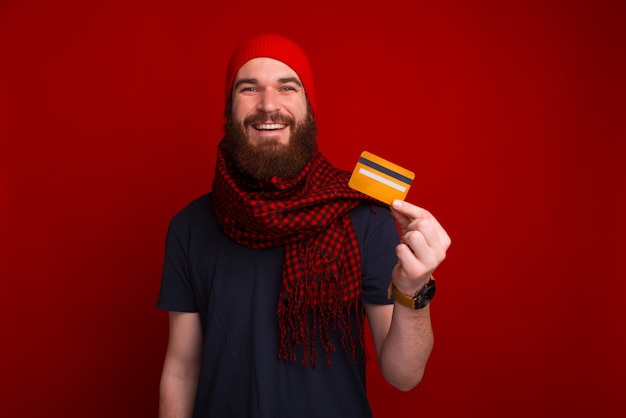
x: 425, y: 295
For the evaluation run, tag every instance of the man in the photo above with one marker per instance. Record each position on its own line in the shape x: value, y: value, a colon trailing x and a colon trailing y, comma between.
x: 268, y: 278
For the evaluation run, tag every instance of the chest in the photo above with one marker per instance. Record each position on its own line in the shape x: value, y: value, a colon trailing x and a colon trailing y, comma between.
x: 234, y: 284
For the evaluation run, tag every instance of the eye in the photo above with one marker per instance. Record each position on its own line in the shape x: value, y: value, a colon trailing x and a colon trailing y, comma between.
x: 287, y: 88
x: 248, y: 89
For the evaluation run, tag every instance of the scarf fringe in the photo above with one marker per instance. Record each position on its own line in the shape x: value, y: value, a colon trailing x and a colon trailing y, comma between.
x: 311, y: 310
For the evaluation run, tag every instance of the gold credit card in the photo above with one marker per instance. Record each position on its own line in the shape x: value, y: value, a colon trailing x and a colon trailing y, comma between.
x: 380, y: 179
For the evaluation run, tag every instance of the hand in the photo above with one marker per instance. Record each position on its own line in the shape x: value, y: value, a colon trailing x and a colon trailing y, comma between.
x: 422, y: 247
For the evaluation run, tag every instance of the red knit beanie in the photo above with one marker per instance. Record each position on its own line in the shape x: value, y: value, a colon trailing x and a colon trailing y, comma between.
x: 272, y: 46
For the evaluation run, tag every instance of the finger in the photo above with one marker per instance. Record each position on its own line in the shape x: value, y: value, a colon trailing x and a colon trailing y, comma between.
x: 425, y: 227
x: 421, y: 250
x: 408, y: 209
x: 410, y: 267
x: 411, y: 217
x: 434, y: 236
x: 404, y: 213
x: 417, y: 243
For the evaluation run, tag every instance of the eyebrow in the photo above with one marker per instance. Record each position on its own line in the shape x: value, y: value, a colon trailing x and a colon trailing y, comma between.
x: 283, y: 80
x: 290, y: 80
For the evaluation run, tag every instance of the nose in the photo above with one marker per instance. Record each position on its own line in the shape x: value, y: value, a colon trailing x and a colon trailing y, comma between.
x: 270, y: 101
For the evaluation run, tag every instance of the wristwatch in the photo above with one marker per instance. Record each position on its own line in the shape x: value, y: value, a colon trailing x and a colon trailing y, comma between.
x: 421, y: 298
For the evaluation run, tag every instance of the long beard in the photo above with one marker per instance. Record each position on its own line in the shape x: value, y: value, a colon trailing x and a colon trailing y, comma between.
x: 271, y: 158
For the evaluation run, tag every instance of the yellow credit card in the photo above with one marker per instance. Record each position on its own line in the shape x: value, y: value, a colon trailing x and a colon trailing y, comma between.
x: 380, y: 178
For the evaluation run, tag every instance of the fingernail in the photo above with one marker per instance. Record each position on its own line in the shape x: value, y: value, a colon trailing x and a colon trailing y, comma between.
x: 397, y: 204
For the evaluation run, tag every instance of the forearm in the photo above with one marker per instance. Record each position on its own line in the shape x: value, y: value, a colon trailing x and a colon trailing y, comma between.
x: 181, y: 369
x: 407, y: 347
x: 177, y: 394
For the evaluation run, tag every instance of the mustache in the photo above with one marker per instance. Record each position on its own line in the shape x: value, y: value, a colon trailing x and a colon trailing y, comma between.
x: 262, y: 117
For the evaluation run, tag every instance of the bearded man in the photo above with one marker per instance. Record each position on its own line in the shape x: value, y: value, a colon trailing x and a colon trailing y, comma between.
x: 269, y: 277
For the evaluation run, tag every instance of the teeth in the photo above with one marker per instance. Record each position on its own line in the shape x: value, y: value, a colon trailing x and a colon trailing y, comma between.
x: 270, y: 126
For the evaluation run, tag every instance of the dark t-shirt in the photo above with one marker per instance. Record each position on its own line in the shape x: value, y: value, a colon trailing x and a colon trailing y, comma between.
x: 235, y: 291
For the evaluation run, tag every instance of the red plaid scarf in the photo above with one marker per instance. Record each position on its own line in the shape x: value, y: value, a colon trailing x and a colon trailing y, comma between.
x: 321, y: 272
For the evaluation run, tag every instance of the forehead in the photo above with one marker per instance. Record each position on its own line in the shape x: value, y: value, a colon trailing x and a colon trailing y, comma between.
x: 265, y: 69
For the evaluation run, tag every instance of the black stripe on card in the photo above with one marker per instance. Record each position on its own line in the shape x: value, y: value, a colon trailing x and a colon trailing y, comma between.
x: 385, y: 170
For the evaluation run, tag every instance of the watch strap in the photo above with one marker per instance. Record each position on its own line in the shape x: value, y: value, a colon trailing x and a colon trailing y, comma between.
x: 405, y: 300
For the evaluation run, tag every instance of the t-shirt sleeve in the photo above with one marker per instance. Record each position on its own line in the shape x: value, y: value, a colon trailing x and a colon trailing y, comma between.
x: 176, y: 293
x: 378, y: 257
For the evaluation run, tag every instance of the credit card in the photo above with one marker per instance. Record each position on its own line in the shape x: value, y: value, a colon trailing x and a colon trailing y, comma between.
x: 380, y: 179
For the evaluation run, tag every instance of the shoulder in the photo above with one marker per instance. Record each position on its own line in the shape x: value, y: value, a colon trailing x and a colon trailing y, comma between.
x: 195, y: 220
x: 199, y: 205
x: 198, y: 210
x: 370, y: 212
x: 371, y: 220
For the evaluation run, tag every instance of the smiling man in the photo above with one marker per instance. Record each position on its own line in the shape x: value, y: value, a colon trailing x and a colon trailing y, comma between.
x: 269, y: 277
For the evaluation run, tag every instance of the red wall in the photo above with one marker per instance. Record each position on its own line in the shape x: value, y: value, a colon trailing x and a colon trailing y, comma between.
x: 511, y: 114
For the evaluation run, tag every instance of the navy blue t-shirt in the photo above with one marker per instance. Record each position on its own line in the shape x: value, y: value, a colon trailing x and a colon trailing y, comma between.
x: 235, y: 291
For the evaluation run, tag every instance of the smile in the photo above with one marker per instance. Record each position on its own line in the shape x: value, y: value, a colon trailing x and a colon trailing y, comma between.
x: 269, y: 126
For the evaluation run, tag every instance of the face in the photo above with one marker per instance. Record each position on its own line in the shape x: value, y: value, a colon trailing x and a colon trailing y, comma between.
x: 270, y: 130
x: 268, y: 99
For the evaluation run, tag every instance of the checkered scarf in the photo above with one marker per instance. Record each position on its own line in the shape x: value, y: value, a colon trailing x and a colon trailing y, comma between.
x: 321, y: 273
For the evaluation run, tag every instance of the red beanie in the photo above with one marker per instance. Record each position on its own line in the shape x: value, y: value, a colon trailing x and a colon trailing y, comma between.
x: 272, y: 46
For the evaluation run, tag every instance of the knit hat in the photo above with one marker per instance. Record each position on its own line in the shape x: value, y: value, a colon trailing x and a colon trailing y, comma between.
x: 272, y: 46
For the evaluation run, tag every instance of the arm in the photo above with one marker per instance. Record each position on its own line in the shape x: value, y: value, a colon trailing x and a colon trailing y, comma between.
x: 403, y: 337
x: 403, y: 340
x: 181, y: 368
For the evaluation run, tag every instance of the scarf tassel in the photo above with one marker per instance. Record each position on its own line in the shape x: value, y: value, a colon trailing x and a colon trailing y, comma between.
x: 311, y: 310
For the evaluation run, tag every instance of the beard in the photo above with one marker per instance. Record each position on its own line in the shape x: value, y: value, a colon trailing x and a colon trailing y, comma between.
x: 270, y: 158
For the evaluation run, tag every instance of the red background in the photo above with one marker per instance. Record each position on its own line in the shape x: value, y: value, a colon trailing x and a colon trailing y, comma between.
x: 511, y: 114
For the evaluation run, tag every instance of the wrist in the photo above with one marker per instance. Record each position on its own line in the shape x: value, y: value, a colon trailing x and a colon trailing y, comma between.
x: 408, y: 286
